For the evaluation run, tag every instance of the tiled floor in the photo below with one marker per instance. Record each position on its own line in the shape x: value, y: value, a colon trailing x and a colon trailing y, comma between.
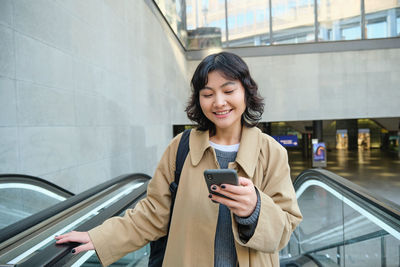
x: 377, y: 171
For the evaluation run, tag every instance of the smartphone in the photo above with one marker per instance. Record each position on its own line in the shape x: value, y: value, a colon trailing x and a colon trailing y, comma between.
x: 218, y: 177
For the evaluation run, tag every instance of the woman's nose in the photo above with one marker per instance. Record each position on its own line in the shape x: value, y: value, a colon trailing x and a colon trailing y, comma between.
x: 219, y: 101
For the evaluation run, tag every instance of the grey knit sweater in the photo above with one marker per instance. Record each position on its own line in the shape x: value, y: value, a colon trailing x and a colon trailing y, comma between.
x: 224, y: 250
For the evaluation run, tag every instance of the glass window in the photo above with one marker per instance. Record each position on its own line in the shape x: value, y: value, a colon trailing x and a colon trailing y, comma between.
x: 240, y: 21
x: 398, y: 26
x: 376, y: 30
x: 292, y: 22
x: 173, y: 13
x: 250, y: 18
x: 205, y: 23
x: 202, y: 23
x: 351, y: 32
x: 255, y: 18
x: 339, y: 20
x: 260, y: 15
x: 231, y: 22
x: 380, y: 18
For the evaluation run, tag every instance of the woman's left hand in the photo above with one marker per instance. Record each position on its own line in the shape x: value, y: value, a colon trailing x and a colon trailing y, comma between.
x: 243, y: 197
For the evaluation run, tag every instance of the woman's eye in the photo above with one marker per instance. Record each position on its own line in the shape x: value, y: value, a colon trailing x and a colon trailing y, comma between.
x: 229, y: 91
x: 208, y: 95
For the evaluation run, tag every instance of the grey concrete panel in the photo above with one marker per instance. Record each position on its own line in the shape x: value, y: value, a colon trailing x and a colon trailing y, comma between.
x: 89, y: 109
x: 115, y: 113
x: 44, y: 20
x: 382, y: 100
x: 8, y: 103
x: 8, y: 150
x: 145, y: 160
x: 118, y: 9
x: 88, y: 78
x: 40, y: 63
x: 7, y: 54
x: 91, y: 174
x: 6, y: 12
x: 118, y: 140
x: 47, y: 149
x: 65, y: 178
x: 88, y: 43
x: 91, y: 144
x: 88, y: 11
x: 326, y: 85
x: 38, y: 105
x: 121, y: 165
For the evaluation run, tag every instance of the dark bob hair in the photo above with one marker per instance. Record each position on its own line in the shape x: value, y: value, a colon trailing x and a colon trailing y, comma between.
x: 232, y: 67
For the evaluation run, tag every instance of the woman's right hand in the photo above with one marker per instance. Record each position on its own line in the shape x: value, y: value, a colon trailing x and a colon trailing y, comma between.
x: 79, y: 237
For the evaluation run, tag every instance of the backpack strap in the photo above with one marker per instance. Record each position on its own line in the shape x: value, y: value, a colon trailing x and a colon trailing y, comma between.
x: 183, y: 150
x: 157, y: 247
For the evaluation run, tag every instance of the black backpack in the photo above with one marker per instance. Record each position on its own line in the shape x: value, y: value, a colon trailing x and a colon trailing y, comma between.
x: 157, y: 248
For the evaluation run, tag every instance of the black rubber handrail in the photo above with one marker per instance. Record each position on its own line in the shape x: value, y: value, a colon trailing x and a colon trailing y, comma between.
x: 60, y: 255
x: 33, y: 180
x: 379, y: 207
x: 24, y: 224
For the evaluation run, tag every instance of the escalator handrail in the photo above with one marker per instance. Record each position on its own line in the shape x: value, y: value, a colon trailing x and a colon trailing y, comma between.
x: 383, y: 209
x: 24, y: 224
x: 54, y: 255
x: 33, y: 180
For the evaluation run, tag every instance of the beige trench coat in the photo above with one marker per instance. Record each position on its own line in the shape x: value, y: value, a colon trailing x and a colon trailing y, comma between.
x: 194, y: 221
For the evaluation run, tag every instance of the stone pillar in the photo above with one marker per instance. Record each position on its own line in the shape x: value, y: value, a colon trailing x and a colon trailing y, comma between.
x: 268, y: 128
x: 352, y: 131
x: 306, y: 143
x: 317, y: 130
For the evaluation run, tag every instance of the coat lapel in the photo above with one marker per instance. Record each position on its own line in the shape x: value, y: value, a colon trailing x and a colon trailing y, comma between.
x: 249, y: 150
x: 248, y: 153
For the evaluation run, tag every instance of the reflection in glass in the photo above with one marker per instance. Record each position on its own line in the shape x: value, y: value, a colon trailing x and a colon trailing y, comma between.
x: 336, y: 231
x: 381, y: 18
x: 339, y: 20
x: 201, y: 24
x: 138, y: 258
x: 322, y: 223
x: 248, y: 22
x: 18, y: 201
x: 293, y: 21
x: 205, y: 23
x: 175, y: 13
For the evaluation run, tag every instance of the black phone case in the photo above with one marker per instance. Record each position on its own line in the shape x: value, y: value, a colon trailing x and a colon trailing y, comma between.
x: 218, y: 177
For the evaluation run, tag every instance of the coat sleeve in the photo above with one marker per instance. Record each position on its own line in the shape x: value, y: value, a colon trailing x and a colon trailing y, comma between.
x: 279, y: 211
x: 148, y: 221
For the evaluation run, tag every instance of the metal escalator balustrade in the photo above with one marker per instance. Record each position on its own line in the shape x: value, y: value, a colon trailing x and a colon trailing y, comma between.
x: 24, y: 195
x: 37, y: 247
x: 343, y: 225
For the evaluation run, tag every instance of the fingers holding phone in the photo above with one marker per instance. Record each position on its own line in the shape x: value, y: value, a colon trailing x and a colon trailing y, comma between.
x: 240, y: 197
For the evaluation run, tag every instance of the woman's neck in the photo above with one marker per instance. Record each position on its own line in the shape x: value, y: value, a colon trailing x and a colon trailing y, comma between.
x: 227, y: 136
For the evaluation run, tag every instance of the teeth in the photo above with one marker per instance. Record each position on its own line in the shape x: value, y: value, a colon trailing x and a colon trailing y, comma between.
x: 222, y: 113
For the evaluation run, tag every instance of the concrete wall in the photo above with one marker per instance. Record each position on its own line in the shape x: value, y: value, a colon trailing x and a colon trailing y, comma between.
x: 88, y: 89
x: 328, y: 86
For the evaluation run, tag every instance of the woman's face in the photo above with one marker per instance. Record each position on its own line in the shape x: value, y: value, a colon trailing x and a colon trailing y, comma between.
x: 223, y: 102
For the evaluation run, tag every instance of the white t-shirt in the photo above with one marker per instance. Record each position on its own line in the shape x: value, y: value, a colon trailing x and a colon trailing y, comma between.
x: 225, y: 148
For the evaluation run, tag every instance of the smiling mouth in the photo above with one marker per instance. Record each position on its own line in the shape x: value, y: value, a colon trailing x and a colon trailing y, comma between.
x: 222, y: 112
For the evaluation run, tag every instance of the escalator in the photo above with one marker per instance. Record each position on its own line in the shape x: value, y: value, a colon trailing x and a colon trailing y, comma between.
x: 30, y: 241
x: 343, y: 225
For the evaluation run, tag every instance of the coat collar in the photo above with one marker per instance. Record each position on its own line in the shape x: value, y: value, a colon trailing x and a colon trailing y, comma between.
x: 247, y: 155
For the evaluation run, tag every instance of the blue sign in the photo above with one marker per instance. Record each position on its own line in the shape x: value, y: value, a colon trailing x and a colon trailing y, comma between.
x: 287, y: 140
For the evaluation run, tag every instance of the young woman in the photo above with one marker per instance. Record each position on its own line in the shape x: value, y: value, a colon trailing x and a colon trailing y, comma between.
x: 246, y: 229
